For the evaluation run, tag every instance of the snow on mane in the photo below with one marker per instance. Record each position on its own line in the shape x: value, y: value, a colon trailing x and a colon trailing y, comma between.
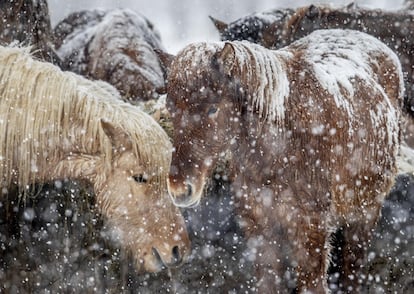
x: 266, y: 74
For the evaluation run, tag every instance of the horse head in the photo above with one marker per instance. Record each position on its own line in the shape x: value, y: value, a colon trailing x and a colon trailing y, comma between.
x: 134, y: 200
x: 204, y: 114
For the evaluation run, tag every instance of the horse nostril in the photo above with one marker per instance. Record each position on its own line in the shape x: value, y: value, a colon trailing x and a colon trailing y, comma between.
x: 189, y: 190
x: 176, y: 256
x: 157, y: 256
x: 183, y: 196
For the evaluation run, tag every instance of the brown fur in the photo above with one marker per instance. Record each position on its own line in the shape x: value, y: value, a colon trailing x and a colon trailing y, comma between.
x: 57, y: 125
x: 394, y: 28
x: 307, y: 159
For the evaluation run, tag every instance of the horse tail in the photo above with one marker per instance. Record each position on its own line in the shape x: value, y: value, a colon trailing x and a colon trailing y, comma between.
x: 405, y: 157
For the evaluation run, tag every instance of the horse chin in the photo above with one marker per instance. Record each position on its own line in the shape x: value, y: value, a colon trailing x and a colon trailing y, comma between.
x: 188, y: 203
x: 150, y: 264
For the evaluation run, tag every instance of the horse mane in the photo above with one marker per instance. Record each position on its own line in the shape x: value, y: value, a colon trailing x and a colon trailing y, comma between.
x: 264, y: 72
x: 265, y: 76
x: 261, y: 70
x: 41, y: 108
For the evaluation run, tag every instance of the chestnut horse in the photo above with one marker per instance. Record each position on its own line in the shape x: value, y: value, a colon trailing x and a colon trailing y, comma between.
x: 57, y: 125
x: 279, y: 27
x: 312, y: 134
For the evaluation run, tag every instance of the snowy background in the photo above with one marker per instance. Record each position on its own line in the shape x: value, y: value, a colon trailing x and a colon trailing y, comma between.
x: 57, y: 243
x: 184, y: 21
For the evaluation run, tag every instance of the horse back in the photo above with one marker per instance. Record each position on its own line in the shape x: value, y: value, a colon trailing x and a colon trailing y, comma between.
x: 345, y: 100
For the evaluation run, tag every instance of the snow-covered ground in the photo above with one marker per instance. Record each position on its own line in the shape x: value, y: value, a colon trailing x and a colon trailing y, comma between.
x: 183, y: 21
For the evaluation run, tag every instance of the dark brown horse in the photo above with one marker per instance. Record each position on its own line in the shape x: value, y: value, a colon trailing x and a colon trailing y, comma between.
x: 312, y: 134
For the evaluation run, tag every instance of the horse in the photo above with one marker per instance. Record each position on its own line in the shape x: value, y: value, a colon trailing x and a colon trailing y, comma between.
x: 279, y: 27
x: 116, y: 46
x: 311, y: 133
x: 58, y: 125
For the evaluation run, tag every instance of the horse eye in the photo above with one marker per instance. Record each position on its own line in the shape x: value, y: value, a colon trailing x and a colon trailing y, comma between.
x: 140, y: 178
x: 212, y: 110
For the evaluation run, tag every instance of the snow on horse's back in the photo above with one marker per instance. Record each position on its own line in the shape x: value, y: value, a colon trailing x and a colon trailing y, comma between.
x: 58, y: 125
x: 116, y: 46
x: 312, y: 132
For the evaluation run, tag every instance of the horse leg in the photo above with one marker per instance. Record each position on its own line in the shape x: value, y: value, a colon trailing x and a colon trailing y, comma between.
x: 270, y: 270
x: 311, y: 251
x: 356, y: 241
x: 269, y: 249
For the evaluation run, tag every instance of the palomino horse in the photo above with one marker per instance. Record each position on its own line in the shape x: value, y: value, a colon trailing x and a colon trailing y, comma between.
x: 114, y: 46
x: 57, y: 125
x: 312, y: 134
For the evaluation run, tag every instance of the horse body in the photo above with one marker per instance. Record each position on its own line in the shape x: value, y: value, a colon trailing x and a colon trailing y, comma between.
x: 280, y: 27
x: 312, y: 131
x: 115, y: 46
x: 57, y: 125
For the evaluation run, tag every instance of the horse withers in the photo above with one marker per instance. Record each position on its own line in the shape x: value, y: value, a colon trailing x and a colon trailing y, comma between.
x: 312, y: 133
x: 58, y: 125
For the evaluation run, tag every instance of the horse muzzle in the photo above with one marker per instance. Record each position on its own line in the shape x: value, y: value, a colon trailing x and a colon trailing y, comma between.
x: 169, y: 252
x: 174, y: 259
x: 183, y: 195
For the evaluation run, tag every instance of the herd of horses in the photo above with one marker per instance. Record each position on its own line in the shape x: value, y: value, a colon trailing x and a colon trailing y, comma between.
x: 311, y: 131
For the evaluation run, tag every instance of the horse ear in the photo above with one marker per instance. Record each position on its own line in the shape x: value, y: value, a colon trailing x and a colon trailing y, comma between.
x: 221, y: 26
x: 313, y: 12
x: 226, y: 58
x: 118, y: 137
x: 164, y: 58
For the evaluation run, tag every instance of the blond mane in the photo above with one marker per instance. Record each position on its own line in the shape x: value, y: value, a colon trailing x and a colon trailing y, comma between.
x: 47, y: 114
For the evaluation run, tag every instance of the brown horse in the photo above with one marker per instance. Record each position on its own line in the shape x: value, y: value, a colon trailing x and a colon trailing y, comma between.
x: 312, y: 134
x: 280, y: 27
x: 57, y: 125
x: 115, y: 46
